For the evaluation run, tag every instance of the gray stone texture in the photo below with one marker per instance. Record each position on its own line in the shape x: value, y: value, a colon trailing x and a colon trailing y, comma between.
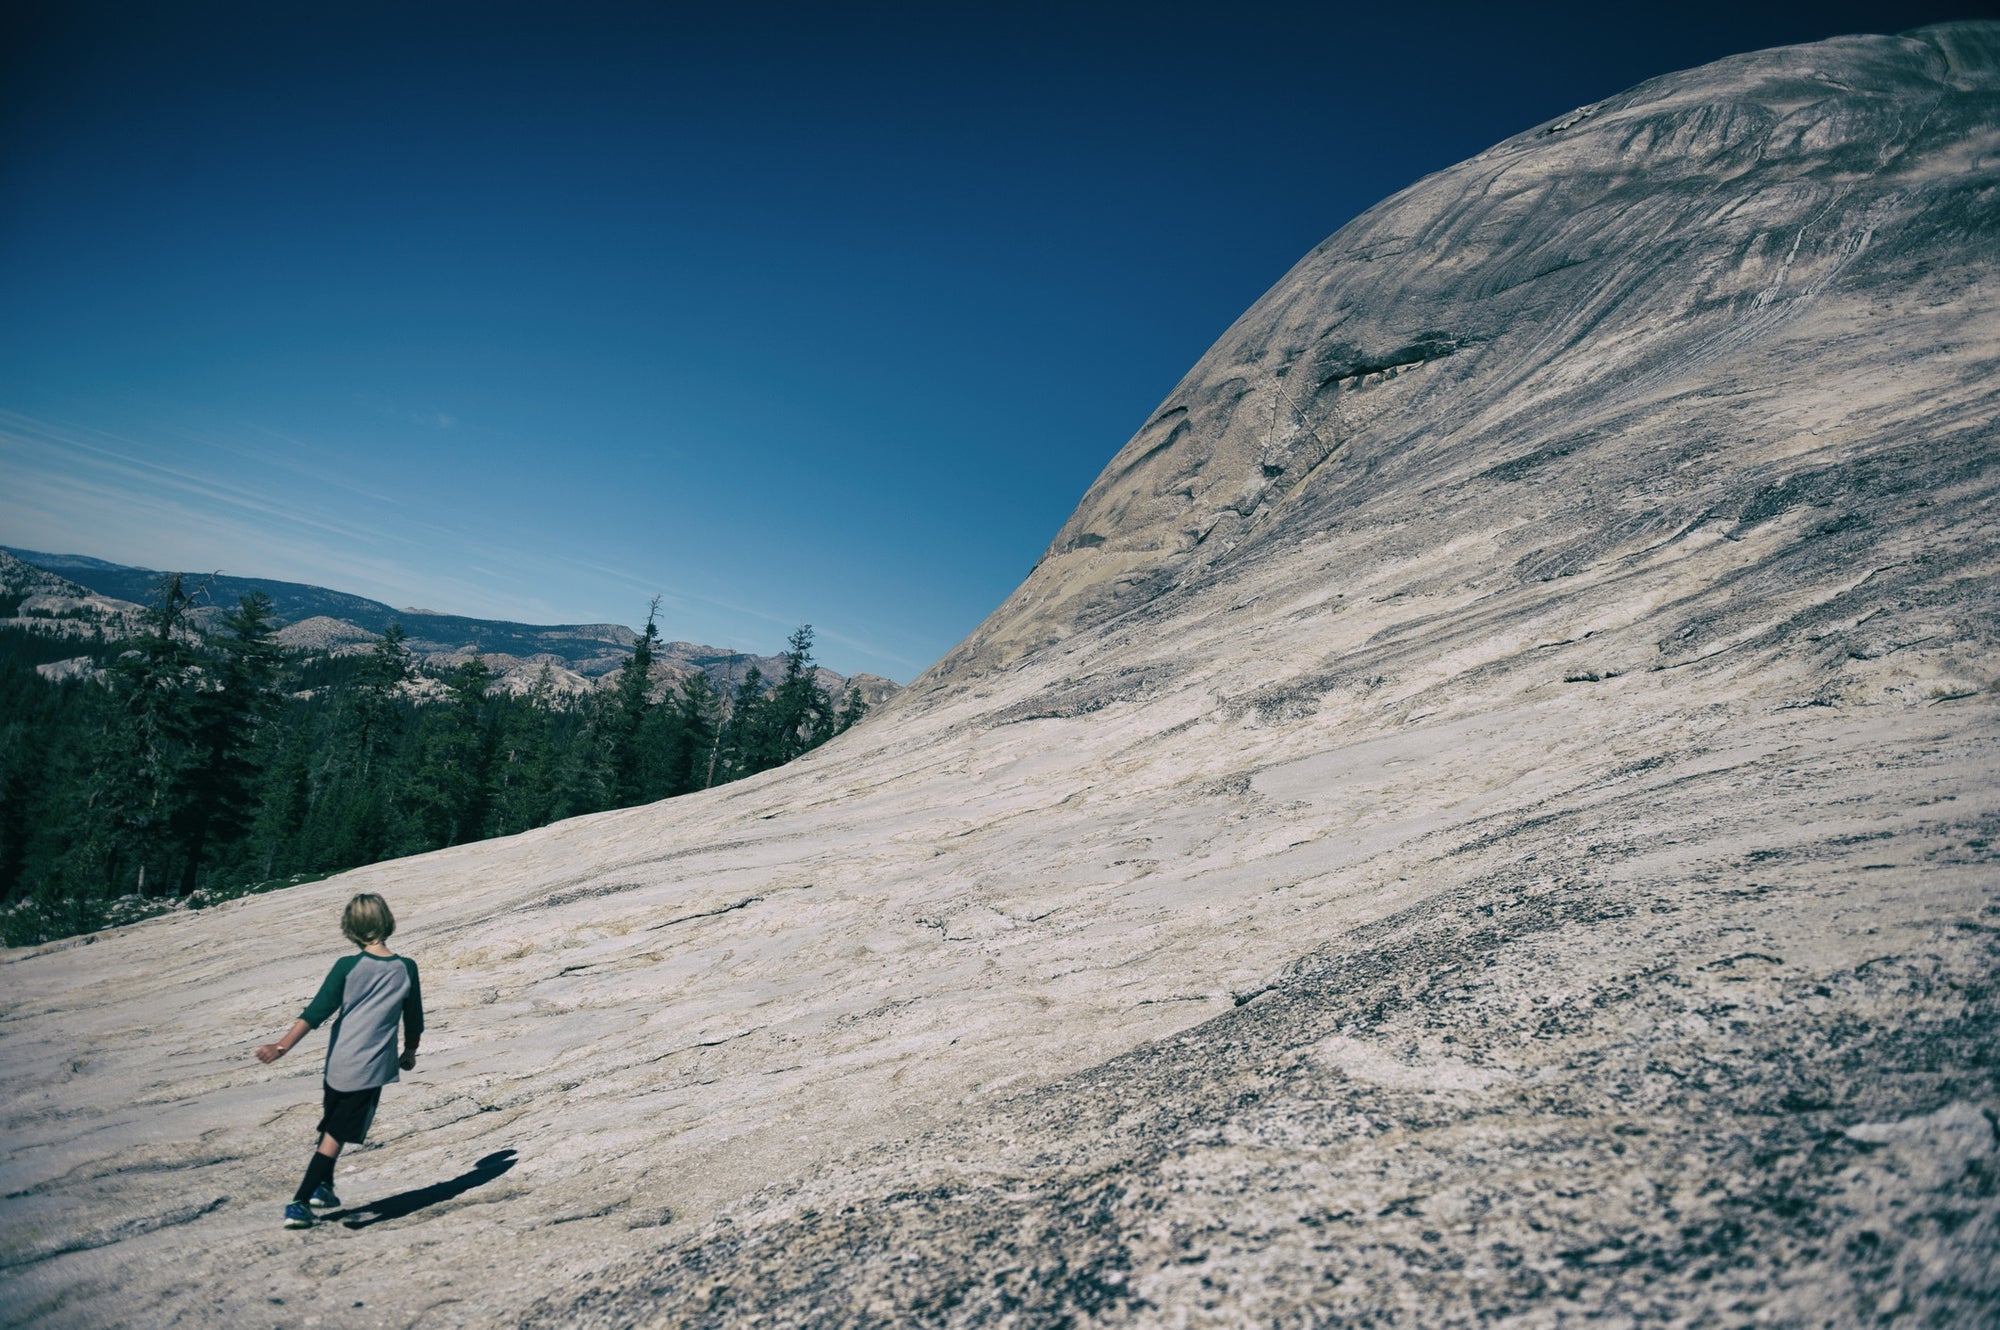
x: 1486, y: 814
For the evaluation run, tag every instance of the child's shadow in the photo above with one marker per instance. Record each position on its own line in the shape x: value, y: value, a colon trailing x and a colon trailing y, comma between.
x: 409, y: 1202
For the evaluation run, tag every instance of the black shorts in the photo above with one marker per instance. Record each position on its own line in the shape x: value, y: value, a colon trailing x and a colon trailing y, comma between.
x: 345, y: 1114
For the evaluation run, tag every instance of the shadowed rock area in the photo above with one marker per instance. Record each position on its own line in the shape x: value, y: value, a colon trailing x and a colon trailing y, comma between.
x: 1486, y: 814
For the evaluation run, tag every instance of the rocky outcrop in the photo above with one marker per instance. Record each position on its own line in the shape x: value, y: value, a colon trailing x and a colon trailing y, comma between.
x: 1486, y: 815
x: 62, y: 671
x: 873, y: 688
x: 36, y: 601
x: 321, y: 633
x: 676, y: 662
x: 1598, y: 336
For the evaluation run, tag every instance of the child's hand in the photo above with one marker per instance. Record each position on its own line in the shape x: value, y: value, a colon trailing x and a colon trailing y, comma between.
x: 408, y: 1062
x: 270, y: 1053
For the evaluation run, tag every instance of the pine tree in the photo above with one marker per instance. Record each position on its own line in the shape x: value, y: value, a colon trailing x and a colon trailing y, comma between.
x: 799, y: 716
x: 278, y: 843
x: 18, y: 770
x: 451, y: 794
x: 852, y: 708
x: 576, y: 774
x: 622, y: 720
x: 523, y: 767
x: 354, y: 818
x: 228, y: 708
x: 44, y: 771
x: 745, y: 735
x: 698, y: 730
x: 144, y: 747
x: 661, y: 752
x: 375, y: 710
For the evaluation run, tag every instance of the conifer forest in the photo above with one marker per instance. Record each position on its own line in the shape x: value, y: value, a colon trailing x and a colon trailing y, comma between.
x: 190, y: 767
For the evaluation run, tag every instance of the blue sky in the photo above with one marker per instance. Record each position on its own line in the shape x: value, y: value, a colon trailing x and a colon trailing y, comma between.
x: 787, y: 314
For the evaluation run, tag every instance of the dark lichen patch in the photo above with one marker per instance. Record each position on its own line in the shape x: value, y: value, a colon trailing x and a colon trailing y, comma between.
x: 1516, y: 468
x: 1867, y: 483
x: 1343, y: 364
x: 1129, y: 684
x: 1295, y: 699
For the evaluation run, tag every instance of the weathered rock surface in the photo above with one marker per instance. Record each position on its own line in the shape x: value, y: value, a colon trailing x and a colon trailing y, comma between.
x: 1487, y: 814
x: 37, y: 601
x: 323, y: 633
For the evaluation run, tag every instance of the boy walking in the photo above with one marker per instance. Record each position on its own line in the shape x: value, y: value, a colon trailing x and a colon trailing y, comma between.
x: 373, y: 991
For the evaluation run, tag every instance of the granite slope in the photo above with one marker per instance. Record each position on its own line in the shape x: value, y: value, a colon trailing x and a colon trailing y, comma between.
x: 1486, y: 814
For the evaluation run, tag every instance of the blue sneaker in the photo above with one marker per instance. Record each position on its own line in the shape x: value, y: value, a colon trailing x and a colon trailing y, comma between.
x: 323, y: 1197
x: 298, y: 1216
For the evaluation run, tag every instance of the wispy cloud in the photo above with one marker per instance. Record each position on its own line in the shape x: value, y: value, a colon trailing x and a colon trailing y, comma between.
x: 98, y: 488
x: 435, y: 420
x: 51, y: 452
x: 82, y: 486
x: 274, y: 505
x: 673, y: 598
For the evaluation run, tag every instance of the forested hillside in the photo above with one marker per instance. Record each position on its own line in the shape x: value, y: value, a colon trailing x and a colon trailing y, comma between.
x: 84, y: 592
x: 182, y: 766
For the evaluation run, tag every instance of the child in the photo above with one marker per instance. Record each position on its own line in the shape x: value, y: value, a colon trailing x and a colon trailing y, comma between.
x: 372, y: 992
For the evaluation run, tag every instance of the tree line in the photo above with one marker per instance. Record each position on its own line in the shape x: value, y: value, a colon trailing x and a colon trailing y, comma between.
x: 200, y: 766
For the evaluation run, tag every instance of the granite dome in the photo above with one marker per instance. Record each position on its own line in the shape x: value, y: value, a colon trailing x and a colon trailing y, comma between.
x: 1485, y: 814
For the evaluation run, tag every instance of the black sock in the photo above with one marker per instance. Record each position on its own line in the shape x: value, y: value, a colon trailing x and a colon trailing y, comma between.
x: 318, y: 1171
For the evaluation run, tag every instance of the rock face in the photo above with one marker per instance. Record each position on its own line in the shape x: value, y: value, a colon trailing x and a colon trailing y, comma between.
x: 33, y: 600
x: 321, y: 633
x: 1486, y: 814
x: 1623, y: 310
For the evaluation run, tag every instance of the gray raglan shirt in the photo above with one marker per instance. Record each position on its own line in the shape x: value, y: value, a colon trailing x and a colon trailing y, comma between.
x: 373, y: 994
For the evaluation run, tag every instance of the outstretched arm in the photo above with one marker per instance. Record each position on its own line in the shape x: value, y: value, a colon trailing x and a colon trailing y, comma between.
x: 324, y: 1004
x: 272, y: 1052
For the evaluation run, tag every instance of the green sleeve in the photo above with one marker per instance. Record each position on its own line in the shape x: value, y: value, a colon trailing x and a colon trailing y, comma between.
x: 327, y: 1000
x: 413, y: 1004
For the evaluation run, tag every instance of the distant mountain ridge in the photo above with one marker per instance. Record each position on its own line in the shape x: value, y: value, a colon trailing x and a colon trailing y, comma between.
x: 37, y: 600
x: 579, y: 656
x: 293, y: 602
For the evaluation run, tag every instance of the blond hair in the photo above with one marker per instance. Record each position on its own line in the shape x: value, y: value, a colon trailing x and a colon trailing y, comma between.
x: 367, y: 919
